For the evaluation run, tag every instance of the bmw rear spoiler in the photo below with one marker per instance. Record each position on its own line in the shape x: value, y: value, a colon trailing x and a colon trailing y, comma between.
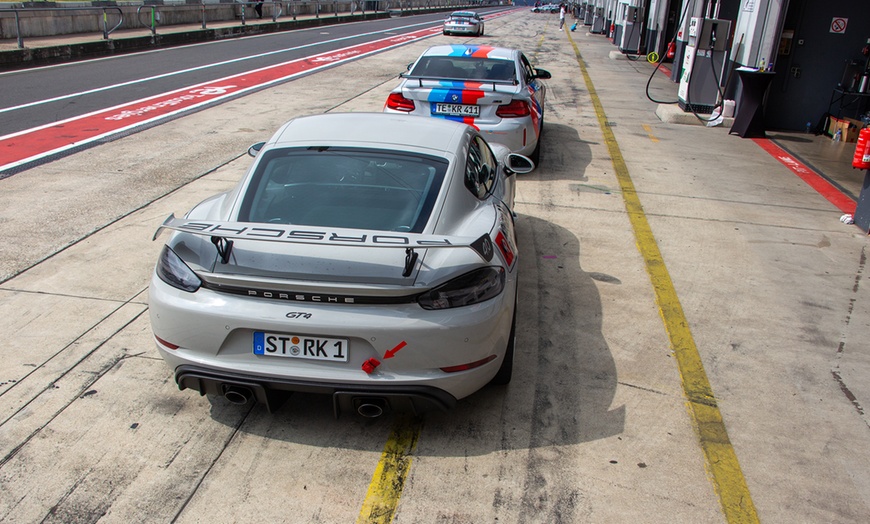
x: 224, y: 233
x: 421, y: 78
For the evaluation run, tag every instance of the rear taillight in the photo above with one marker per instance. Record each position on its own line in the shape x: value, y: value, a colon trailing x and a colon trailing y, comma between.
x: 471, y: 288
x: 397, y: 102
x: 516, y: 109
x: 172, y: 270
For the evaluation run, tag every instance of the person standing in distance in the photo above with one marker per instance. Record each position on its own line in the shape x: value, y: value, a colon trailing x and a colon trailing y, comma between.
x: 561, y: 16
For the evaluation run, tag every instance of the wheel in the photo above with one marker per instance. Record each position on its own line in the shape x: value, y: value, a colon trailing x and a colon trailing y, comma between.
x: 507, y: 365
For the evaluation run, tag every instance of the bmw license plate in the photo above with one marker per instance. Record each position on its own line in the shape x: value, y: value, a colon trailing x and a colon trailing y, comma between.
x: 457, y: 110
x: 299, y: 346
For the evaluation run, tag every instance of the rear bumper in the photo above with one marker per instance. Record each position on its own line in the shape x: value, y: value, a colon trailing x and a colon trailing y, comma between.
x: 274, y: 392
x: 461, y: 29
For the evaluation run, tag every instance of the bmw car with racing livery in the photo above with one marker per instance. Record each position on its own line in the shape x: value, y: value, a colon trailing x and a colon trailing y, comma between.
x: 493, y: 89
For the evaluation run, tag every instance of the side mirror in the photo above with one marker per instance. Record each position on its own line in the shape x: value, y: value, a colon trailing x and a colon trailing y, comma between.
x: 543, y: 74
x: 518, y: 164
x: 254, y: 150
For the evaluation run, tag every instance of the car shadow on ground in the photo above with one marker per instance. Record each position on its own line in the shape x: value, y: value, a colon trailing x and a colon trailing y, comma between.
x: 564, y: 155
x: 564, y: 377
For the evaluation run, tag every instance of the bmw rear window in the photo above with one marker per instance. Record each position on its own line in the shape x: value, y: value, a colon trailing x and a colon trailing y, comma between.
x: 344, y: 187
x: 465, y: 68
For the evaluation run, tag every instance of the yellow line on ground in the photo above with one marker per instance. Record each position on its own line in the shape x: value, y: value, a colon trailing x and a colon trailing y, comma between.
x: 388, y: 480
x: 721, y: 460
x: 649, y: 132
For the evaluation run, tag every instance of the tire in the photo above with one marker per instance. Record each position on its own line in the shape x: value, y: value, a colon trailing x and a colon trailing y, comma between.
x: 503, y: 376
x: 536, y: 154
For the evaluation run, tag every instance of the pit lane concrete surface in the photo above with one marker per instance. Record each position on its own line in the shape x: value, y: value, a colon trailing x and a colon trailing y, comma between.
x: 609, y: 418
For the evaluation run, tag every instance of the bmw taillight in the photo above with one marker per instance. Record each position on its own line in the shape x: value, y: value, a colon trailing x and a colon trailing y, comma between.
x: 516, y: 109
x: 471, y: 288
x: 398, y: 102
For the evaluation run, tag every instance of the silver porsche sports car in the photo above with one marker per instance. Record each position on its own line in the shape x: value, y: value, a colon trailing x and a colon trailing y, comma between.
x: 463, y: 23
x: 371, y: 257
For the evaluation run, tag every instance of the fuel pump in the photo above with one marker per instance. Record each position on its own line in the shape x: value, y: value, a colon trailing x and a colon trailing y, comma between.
x: 632, y: 29
x: 598, y: 19
x: 589, y: 13
x: 618, y: 22
x: 703, y: 72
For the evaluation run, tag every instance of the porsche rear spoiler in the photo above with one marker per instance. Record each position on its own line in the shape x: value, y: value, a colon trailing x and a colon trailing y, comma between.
x: 224, y: 233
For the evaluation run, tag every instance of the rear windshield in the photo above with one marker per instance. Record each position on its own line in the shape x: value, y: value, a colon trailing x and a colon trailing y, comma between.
x: 465, y: 68
x: 347, y: 188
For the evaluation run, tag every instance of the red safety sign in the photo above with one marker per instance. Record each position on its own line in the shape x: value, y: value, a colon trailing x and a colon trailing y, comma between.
x: 838, y: 25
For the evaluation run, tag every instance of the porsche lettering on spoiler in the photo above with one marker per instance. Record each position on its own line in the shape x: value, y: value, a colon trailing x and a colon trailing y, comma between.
x: 331, y: 236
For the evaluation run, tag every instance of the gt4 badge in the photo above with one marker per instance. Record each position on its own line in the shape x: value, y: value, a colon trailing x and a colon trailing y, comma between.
x: 483, y: 246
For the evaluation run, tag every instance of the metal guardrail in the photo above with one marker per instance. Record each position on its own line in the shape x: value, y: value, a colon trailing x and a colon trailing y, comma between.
x: 104, y: 10
x: 278, y: 9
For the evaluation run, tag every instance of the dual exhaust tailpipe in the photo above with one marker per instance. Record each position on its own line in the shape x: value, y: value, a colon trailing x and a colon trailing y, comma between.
x: 238, y: 395
x: 368, y: 402
x: 368, y: 407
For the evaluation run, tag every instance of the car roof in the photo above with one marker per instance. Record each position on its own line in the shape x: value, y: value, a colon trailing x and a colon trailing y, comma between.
x: 370, y: 130
x: 475, y: 51
x: 463, y: 13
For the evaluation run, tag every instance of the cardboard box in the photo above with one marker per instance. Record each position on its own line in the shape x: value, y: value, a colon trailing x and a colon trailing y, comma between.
x: 849, y: 128
x: 853, y: 129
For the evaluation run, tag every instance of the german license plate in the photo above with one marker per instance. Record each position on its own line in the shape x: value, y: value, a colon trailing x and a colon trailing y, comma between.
x: 299, y: 346
x: 457, y: 110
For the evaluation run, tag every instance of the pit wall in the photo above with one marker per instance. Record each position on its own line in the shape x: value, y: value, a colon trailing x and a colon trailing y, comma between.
x: 42, y: 19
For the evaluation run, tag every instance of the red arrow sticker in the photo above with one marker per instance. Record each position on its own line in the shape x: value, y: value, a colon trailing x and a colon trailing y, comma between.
x: 391, y: 353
